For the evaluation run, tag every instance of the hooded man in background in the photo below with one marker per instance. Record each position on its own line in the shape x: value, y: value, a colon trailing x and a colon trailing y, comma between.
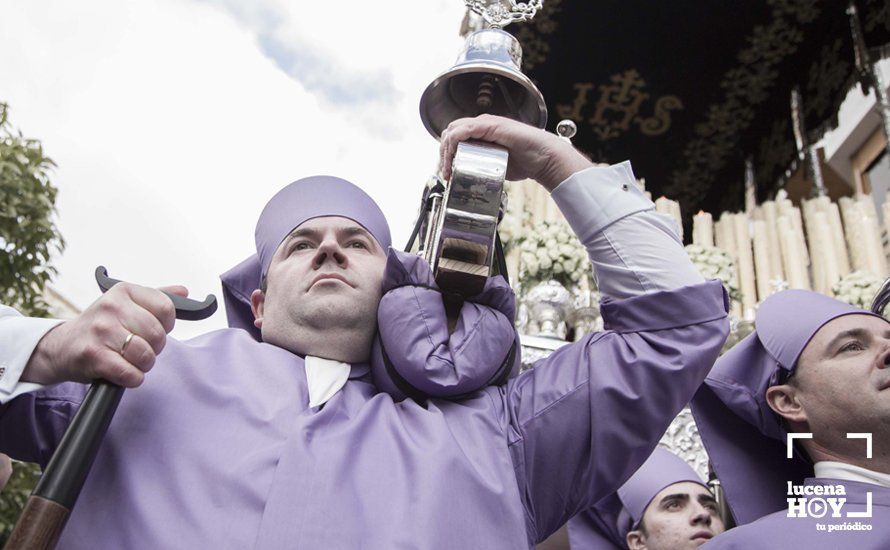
x: 663, y: 506
x: 232, y: 442
x: 818, y: 368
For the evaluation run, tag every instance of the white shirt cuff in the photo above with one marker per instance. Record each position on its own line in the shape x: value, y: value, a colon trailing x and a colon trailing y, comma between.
x: 18, y: 338
x: 596, y: 197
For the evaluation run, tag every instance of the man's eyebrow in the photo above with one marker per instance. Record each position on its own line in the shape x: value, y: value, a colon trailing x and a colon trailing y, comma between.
x: 358, y: 230
x: 675, y: 496
x: 303, y: 232
x: 852, y: 333
x: 355, y: 230
x: 707, y: 498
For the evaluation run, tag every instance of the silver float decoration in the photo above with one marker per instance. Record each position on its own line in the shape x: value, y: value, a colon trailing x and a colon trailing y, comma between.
x: 549, y: 304
x: 500, y: 13
x: 682, y: 439
x: 585, y: 315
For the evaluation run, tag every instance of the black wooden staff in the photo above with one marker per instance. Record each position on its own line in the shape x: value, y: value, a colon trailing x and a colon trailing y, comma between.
x: 51, y: 502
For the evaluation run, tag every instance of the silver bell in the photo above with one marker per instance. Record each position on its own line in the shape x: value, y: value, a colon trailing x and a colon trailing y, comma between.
x: 485, y: 79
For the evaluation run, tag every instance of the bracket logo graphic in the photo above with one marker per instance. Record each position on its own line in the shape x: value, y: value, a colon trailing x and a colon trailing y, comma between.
x: 817, y: 501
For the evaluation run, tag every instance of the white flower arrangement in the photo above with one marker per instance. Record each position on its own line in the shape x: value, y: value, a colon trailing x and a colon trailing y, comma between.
x: 714, y: 263
x: 858, y: 288
x: 552, y: 252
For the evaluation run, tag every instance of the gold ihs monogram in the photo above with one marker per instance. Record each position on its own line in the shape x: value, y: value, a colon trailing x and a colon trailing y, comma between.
x: 619, y: 106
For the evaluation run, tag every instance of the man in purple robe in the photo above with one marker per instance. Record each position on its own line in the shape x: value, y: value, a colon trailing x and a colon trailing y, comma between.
x: 231, y: 442
x: 796, y: 421
x: 663, y: 506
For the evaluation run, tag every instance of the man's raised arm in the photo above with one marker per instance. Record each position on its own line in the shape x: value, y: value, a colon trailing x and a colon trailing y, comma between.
x: 585, y: 418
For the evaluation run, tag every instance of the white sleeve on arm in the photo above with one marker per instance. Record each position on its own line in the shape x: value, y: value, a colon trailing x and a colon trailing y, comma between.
x: 634, y: 249
x: 18, y: 337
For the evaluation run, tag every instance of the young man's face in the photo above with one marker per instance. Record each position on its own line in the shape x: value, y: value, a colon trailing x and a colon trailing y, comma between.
x: 842, y: 384
x: 680, y: 517
x: 325, y: 276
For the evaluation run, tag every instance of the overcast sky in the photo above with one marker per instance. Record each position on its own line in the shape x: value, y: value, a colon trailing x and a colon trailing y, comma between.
x: 173, y: 121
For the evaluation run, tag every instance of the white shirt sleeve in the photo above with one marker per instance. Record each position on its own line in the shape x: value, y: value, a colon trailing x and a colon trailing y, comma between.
x: 18, y: 337
x: 634, y: 249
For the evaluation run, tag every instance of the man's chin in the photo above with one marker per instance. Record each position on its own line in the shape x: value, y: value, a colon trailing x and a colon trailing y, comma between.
x: 334, y: 307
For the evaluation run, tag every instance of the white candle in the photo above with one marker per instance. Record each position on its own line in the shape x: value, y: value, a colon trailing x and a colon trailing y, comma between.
x: 853, y: 230
x: 678, y: 216
x: 868, y: 205
x: 787, y: 208
x: 795, y: 268
x: 703, y: 229
x: 746, y: 263
x: 840, y: 243
x: 886, y: 210
x: 726, y: 241
x: 809, y: 209
x: 762, y: 266
x: 824, y: 251
x: 876, y: 261
x: 665, y: 205
x: 770, y: 215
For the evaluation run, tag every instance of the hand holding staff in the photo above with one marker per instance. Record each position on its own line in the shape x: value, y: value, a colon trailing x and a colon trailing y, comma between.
x: 85, y: 349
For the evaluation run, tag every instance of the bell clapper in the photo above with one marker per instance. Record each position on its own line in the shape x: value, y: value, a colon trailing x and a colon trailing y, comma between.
x: 485, y: 95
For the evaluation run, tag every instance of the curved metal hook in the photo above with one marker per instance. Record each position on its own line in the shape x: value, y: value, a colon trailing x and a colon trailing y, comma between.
x: 186, y: 308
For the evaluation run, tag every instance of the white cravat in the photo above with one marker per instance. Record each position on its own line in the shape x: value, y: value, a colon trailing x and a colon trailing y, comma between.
x: 848, y: 472
x: 325, y: 378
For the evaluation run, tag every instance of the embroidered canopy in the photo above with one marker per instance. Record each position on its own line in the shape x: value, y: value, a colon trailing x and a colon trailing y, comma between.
x: 689, y: 90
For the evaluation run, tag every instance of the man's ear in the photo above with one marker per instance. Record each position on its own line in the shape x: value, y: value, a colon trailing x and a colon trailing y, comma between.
x: 636, y: 540
x: 257, y: 305
x: 785, y: 402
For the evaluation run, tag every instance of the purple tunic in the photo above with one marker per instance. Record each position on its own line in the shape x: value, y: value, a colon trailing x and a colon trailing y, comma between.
x: 778, y: 531
x: 422, y: 359
x: 219, y: 449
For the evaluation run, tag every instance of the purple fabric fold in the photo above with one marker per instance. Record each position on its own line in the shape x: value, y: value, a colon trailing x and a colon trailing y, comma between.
x: 413, y: 334
x: 659, y: 310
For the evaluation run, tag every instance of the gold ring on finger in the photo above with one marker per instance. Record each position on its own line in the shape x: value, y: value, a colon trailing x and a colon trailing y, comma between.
x: 126, y: 343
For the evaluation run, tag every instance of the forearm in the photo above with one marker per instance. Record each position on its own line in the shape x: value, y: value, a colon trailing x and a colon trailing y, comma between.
x: 634, y: 250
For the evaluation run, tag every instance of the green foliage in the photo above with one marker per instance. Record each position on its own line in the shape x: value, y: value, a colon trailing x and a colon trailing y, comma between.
x: 28, y: 237
x: 28, y: 234
x: 24, y: 477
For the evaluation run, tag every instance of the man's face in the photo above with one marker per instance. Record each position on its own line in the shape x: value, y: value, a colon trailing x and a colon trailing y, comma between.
x: 842, y: 383
x: 681, y: 516
x: 325, y: 276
